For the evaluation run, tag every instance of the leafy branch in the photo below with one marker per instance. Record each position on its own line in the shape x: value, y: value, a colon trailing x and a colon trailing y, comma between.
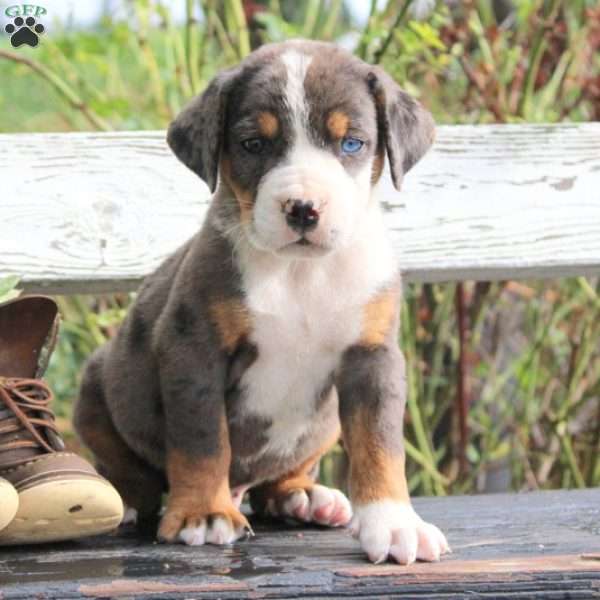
x: 61, y: 86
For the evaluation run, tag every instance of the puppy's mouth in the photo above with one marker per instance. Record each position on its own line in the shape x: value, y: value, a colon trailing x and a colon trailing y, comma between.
x: 304, y: 248
x: 304, y: 242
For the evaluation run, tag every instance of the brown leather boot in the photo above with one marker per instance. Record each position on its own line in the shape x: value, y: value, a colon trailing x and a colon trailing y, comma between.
x: 60, y: 495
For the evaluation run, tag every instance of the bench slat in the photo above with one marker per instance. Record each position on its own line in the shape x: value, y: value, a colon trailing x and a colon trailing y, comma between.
x: 91, y: 212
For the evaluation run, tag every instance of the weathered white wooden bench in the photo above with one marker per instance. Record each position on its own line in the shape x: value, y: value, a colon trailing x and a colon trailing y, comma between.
x: 91, y: 213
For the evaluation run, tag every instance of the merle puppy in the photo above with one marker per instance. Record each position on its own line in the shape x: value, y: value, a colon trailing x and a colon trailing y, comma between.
x: 272, y: 331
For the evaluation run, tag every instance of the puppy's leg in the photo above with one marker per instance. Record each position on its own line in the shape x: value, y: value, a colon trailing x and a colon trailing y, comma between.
x: 371, y: 388
x: 200, y: 507
x: 297, y: 496
x: 140, y: 485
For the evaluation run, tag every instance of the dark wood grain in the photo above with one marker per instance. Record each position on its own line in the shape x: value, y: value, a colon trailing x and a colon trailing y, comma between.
x: 538, y: 545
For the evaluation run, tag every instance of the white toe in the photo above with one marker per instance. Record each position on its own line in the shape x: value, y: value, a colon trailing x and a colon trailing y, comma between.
x: 194, y: 536
x: 404, y: 546
x: 220, y: 532
x: 429, y: 546
x: 297, y: 505
x: 375, y: 541
x: 343, y: 509
x: 322, y: 504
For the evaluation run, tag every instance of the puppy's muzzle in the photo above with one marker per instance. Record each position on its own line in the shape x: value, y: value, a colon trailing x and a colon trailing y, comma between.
x: 301, y: 216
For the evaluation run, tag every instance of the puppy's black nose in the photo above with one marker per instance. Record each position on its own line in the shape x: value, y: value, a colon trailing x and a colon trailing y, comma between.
x: 302, y: 217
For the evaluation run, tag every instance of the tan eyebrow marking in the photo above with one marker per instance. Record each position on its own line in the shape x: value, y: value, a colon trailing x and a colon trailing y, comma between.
x: 268, y: 124
x: 337, y: 123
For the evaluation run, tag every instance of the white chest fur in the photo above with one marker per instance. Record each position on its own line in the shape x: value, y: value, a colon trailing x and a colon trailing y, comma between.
x: 305, y: 313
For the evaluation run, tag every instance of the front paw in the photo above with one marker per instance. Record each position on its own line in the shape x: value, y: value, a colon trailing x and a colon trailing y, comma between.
x: 318, y: 504
x: 195, y: 528
x: 393, y: 530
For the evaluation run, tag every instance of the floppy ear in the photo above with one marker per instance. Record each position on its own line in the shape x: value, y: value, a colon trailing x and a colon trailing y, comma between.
x: 196, y: 135
x: 407, y: 129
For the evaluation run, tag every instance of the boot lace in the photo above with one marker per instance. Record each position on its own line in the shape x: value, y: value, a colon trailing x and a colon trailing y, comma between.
x: 28, y: 401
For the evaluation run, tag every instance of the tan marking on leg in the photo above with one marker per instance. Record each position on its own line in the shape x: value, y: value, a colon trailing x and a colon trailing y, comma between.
x: 378, y: 317
x: 268, y: 124
x: 337, y: 123
x: 243, y: 197
x: 375, y: 473
x: 232, y: 320
x: 199, y: 488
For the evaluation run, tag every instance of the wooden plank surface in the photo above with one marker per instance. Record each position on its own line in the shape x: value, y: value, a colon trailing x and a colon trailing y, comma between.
x: 538, y: 545
x: 90, y: 212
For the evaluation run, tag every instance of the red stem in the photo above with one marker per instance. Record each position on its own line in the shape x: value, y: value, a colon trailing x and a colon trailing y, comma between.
x: 462, y: 392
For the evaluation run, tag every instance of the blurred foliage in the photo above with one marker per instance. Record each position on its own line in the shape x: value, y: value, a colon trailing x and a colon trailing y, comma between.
x: 531, y: 348
x: 8, y: 288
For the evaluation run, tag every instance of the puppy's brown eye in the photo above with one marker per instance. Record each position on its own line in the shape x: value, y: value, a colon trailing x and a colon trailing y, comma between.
x: 254, y: 145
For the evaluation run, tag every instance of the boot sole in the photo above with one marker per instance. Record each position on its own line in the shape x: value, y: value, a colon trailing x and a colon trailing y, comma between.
x: 64, y: 510
x: 9, y: 503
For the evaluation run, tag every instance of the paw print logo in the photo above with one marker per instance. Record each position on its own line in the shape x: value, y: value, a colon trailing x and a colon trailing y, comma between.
x: 24, y: 31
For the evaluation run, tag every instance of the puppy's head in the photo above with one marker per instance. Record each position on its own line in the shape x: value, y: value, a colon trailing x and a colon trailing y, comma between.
x: 298, y: 134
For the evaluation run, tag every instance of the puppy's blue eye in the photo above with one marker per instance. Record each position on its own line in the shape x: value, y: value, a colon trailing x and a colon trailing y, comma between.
x: 351, y: 145
x: 254, y: 145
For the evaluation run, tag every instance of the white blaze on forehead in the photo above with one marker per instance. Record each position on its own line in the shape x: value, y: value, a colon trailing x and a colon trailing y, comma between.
x: 311, y: 171
x: 296, y: 64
